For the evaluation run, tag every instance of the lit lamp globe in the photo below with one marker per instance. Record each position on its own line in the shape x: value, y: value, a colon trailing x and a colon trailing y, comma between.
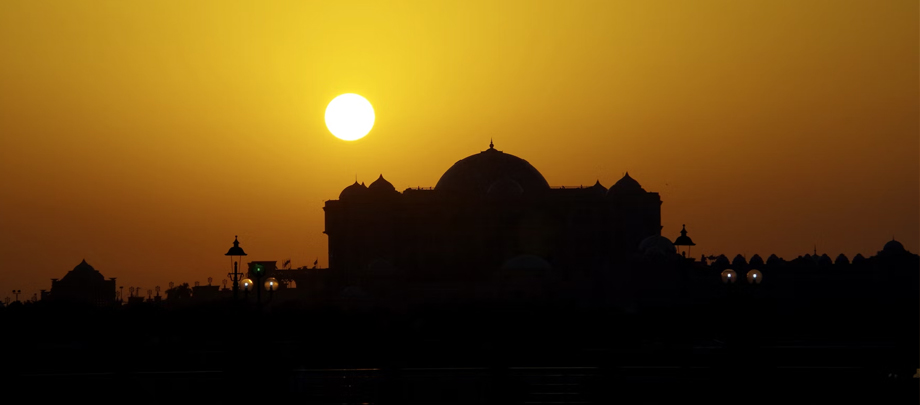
x: 271, y: 284
x: 754, y: 277
x: 246, y: 284
x: 729, y: 276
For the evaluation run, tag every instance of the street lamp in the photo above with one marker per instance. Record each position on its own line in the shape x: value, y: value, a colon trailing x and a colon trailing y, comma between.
x: 754, y: 277
x: 17, y: 292
x: 237, y: 251
x: 729, y: 276
x: 271, y: 284
x: 684, y: 240
x: 246, y: 284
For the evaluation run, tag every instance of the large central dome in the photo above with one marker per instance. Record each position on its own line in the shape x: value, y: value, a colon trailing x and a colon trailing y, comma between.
x: 476, y: 174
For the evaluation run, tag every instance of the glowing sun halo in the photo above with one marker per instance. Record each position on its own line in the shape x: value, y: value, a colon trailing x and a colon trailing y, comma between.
x: 349, y: 117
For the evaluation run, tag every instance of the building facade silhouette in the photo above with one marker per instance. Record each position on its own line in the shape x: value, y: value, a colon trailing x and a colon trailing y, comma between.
x: 83, y: 284
x: 487, y: 212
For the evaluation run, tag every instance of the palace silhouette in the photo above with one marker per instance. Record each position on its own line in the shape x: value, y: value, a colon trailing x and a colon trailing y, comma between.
x: 489, y: 212
x: 493, y: 230
x: 491, y: 268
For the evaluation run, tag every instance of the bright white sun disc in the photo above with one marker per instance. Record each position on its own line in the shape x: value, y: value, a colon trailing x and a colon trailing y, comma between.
x: 349, y: 117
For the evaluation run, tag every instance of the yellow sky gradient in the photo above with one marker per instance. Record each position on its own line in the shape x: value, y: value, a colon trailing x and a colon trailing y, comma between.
x: 144, y: 135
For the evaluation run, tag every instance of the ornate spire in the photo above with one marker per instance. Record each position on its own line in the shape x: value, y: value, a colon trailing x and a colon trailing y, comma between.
x: 236, y: 250
x: 683, y: 239
x: 491, y: 145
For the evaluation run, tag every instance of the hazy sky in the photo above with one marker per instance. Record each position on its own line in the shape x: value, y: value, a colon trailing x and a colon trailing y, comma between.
x: 143, y: 135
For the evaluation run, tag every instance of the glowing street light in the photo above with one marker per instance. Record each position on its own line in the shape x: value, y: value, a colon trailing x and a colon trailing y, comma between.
x: 729, y: 276
x: 754, y: 277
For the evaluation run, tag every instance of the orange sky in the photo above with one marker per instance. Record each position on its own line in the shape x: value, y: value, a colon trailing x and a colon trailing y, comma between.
x: 143, y: 135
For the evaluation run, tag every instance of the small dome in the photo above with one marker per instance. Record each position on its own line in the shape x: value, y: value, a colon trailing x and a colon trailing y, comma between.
x: 756, y: 262
x: 841, y: 260
x: 657, y: 244
x: 599, y: 188
x: 625, y: 186
x: 381, y: 186
x: 739, y: 262
x: 774, y: 260
x: 825, y: 260
x: 893, y: 246
x: 721, y: 261
x: 505, y: 187
x: 353, y: 191
x: 859, y: 258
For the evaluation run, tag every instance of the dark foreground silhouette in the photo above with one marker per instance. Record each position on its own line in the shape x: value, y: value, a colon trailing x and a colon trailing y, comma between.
x: 510, y: 353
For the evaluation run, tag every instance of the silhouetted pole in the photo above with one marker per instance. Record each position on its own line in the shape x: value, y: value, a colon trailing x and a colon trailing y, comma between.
x: 17, y: 292
x: 236, y: 282
x: 258, y: 270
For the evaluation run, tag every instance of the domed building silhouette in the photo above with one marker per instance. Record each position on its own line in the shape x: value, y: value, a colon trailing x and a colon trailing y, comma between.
x: 83, y: 284
x: 485, y: 210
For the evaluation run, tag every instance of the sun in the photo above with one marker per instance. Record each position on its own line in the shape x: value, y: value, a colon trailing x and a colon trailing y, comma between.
x: 349, y: 117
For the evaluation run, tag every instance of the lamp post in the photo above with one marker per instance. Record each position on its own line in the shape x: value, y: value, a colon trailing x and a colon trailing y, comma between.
x: 754, y: 277
x: 258, y: 271
x: 684, y: 240
x: 246, y: 284
x: 235, y: 276
x: 17, y: 292
x: 271, y: 284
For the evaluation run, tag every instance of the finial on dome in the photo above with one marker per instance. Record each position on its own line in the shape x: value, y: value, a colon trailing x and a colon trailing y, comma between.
x: 491, y: 145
